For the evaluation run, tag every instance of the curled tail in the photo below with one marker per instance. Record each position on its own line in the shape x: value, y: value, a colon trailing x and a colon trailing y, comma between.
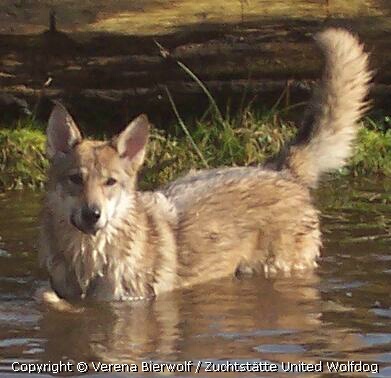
x: 330, y: 122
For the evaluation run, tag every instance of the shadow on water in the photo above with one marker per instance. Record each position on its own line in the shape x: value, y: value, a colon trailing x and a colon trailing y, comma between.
x: 341, y: 313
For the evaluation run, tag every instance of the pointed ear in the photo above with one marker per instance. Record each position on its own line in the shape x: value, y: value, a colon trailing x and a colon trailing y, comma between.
x: 62, y: 132
x: 131, y: 143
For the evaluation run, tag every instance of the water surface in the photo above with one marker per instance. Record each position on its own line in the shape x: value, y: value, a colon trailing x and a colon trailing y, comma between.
x: 343, y: 313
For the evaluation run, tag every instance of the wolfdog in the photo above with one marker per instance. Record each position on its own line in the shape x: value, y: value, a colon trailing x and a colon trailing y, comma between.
x: 102, y: 239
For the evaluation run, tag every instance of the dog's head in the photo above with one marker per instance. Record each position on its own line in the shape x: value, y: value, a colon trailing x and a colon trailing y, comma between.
x: 93, y: 181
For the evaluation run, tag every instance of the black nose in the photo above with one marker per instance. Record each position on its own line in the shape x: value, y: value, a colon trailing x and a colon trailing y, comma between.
x: 90, y: 214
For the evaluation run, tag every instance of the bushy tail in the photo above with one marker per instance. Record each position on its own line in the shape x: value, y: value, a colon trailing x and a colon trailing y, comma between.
x: 330, y: 123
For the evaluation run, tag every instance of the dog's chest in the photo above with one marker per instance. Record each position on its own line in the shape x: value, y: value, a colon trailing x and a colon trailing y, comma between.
x: 107, y: 267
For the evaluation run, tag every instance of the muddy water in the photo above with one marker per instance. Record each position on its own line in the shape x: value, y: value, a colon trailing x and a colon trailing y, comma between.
x: 341, y: 314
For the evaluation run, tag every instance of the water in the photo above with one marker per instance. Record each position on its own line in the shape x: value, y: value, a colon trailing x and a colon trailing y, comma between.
x: 343, y: 313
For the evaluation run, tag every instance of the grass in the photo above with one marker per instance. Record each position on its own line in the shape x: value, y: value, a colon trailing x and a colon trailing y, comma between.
x: 217, y: 139
x: 242, y: 140
x: 373, y: 153
x: 22, y: 158
x: 245, y: 139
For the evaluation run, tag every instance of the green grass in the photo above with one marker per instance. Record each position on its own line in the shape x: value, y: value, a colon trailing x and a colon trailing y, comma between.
x: 248, y: 138
x: 22, y: 159
x: 242, y: 140
x: 372, y: 154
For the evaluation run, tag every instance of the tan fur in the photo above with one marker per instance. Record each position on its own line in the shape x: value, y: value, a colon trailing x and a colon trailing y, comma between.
x: 133, y: 255
x: 206, y: 225
x: 249, y: 218
x: 330, y: 123
x: 132, y: 258
x: 241, y: 220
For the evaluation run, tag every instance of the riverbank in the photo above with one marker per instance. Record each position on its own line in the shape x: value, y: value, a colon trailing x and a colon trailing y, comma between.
x: 118, y: 57
x: 247, y: 139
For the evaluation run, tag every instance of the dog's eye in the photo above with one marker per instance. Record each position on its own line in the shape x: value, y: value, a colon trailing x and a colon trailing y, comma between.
x: 110, y: 181
x: 76, y: 179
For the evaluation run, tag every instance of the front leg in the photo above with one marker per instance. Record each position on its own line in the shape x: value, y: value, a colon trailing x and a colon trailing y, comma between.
x: 47, y: 297
x: 62, y: 279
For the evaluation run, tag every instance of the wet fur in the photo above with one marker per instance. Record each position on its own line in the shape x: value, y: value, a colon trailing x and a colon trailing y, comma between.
x: 208, y: 224
x: 132, y: 257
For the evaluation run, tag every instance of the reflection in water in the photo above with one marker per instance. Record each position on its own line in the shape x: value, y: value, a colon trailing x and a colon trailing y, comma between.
x: 227, y: 311
x: 342, y: 313
x: 112, y: 332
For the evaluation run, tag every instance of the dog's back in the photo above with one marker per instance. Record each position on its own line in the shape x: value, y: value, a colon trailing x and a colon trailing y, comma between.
x: 252, y: 218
